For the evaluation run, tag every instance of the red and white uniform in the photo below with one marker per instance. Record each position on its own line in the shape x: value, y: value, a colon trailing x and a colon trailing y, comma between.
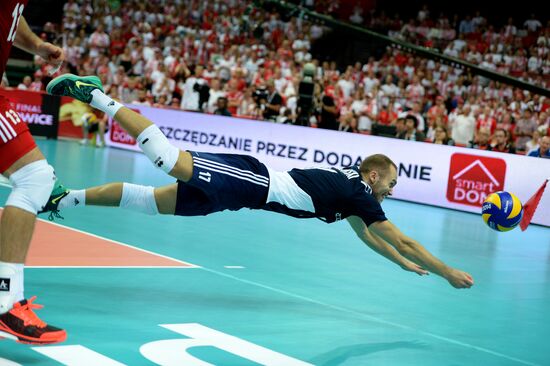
x: 15, y: 138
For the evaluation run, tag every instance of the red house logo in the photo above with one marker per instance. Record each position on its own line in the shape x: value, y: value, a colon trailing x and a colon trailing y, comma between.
x: 472, y: 178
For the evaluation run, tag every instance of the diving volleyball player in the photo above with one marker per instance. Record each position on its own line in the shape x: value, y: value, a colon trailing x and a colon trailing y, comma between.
x: 210, y: 183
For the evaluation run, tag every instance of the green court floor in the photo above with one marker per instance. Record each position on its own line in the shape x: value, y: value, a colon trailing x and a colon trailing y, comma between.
x: 304, y: 291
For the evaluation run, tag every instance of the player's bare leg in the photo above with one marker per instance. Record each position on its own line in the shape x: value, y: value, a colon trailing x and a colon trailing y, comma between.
x: 136, y: 124
x: 17, y: 225
x: 151, y: 140
x: 144, y: 199
x: 32, y: 180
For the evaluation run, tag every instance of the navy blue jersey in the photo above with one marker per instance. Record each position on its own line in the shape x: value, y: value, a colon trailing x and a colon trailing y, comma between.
x: 336, y: 194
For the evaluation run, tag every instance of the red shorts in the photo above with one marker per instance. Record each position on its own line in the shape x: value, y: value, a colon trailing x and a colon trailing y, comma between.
x: 15, y: 138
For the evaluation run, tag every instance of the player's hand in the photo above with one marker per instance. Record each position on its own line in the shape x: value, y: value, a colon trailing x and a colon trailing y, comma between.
x: 460, y: 279
x: 52, y: 54
x: 413, y: 267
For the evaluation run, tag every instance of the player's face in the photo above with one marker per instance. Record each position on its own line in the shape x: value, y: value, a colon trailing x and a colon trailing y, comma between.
x: 384, y: 185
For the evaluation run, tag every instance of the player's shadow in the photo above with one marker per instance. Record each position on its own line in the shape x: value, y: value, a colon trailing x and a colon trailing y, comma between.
x: 341, y: 354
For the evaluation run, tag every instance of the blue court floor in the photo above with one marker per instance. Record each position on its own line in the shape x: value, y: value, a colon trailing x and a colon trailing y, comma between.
x: 283, y: 291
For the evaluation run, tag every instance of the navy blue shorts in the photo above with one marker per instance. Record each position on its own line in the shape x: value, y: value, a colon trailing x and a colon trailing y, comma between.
x: 222, y: 182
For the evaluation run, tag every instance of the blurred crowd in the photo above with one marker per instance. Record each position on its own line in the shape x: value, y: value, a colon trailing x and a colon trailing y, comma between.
x: 226, y: 57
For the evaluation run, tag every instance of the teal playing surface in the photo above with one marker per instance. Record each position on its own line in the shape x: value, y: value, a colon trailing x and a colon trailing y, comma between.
x: 307, y: 290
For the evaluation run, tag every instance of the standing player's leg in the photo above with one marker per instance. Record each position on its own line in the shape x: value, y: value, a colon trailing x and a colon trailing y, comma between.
x: 150, y: 138
x: 32, y: 179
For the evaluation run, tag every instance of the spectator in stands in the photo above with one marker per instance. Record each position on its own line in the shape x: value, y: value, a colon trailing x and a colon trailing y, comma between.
x: 400, y: 126
x: 507, y: 122
x: 389, y: 90
x: 544, y: 149
x: 99, y: 41
x: 37, y: 84
x: 25, y: 84
x: 416, y: 111
x: 235, y: 97
x: 117, y: 44
x: 193, y: 88
x: 486, y: 120
x: 442, y: 137
x: 348, y: 123
x: 463, y: 127
x: 161, y: 101
x: 175, y: 103
x: 143, y: 98
x: 215, y: 93
x: 412, y: 133
x: 126, y: 60
x: 69, y: 24
x: 479, y: 22
x: 287, y: 117
x: 533, y: 144
x: 525, y: 127
x: 71, y: 8
x: 502, y: 143
x: 481, y: 141
x: 370, y: 80
x: 248, y: 106
x: 436, y: 111
x: 346, y: 84
x: 387, y: 115
x: 273, y: 102
x: 222, y: 107
x: 328, y: 113
x: 129, y: 90
x: 466, y: 25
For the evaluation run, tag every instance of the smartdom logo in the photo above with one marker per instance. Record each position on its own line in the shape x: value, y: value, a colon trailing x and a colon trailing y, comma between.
x: 472, y: 178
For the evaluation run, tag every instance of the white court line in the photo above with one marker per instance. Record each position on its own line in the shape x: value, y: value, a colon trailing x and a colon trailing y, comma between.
x: 374, y: 318
x: 188, y: 265
x: 234, y: 267
x: 115, y: 267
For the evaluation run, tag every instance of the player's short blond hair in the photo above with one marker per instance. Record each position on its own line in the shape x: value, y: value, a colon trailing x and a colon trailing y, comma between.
x: 378, y: 162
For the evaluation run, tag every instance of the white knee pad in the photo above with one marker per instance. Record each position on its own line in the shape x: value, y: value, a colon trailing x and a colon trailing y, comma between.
x: 139, y: 198
x: 32, y: 186
x: 158, y: 149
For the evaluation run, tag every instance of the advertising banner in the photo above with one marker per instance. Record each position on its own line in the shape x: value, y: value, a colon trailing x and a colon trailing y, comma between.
x: 70, y: 117
x: 445, y: 176
x: 38, y: 110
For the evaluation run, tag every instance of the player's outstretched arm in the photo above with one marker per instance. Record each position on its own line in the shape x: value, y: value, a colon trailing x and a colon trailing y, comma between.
x: 412, y: 250
x: 382, y: 247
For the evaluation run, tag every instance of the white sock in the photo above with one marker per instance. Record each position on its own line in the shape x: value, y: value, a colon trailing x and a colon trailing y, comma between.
x: 105, y: 103
x: 11, y: 285
x: 158, y: 149
x: 139, y: 198
x: 73, y: 199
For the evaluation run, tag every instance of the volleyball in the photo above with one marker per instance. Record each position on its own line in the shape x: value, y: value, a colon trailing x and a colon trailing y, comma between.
x: 88, y: 119
x: 502, y: 211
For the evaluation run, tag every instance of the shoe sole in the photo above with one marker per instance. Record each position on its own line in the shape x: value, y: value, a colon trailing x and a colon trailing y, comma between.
x: 23, y: 340
x: 92, y: 79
